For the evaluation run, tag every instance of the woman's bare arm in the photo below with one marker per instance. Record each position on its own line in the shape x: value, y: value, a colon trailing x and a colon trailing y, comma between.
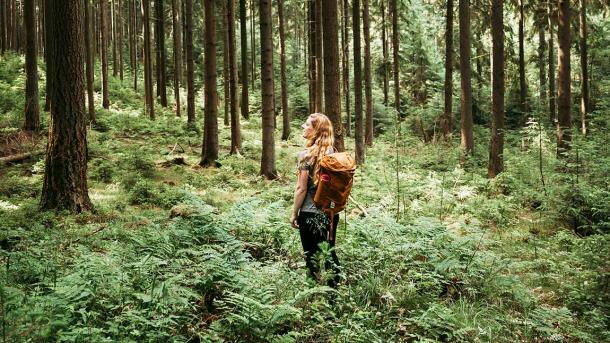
x: 299, y: 195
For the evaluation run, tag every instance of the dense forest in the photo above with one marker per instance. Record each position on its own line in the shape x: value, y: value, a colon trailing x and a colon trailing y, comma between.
x: 148, y: 155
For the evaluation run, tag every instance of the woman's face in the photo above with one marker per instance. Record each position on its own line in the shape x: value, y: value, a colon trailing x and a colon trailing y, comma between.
x: 307, y: 128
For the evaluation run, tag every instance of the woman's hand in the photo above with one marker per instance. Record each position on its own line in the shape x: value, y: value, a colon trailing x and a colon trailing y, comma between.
x: 293, y: 221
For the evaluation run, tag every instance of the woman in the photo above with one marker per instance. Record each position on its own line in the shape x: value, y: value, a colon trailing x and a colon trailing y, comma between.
x: 312, y: 223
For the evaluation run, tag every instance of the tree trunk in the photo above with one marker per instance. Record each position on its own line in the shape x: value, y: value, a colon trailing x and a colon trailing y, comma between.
x: 345, y: 42
x: 564, y: 95
x: 467, y: 139
x: 160, y: 33
x: 245, y: 97
x: 104, y: 48
x: 177, y: 26
x: 89, y: 64
x: 48, y: 62
x: 233, y: 86
x: 311, y: 6
x: 552, y: 92
x: 190, y: 87
x: 584, y: 78
x: 522, y: 86
x: 496, y: 147
x: 384, y: 47
x: 113, y: 30
x: 225, y: 65
x: 396, y: 67
x: 252, y: 43
x: 209, y: 153
x: 120, y: 37
x: 65, y: 178
x: 32, y: 109
x: 318, y: 45
x: 285, y: 115
x: 332, y: 83
x: 267, y: 91
x: 359, y: 139
x: 134, y: 42
x: 3, y: 27
x: 148, y: 82
x: 447, y: 119
x: 368, y: 91
x: 542, y: 65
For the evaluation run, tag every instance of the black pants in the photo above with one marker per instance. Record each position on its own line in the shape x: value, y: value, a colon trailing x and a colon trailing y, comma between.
x: 314, y: 229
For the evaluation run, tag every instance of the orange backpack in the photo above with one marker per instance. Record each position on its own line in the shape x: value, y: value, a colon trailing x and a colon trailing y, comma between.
x: 334, y: 184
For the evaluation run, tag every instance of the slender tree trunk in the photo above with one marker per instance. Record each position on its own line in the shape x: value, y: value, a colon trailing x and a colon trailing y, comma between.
x: 225, y: 65
x: 584, y: 87
x: 48, y: 62
x: 89, y: 64
x: 267, y: 91
x: 252, y: 42
x: 542, y: 66
x: 120, y: 42
x: 209, y: 153
x: 113, y: 24
x: 285, y: 115
x: 134, y: 42
x: 396, y: 67
x: 148, y: 82
x: 190, y: 87
x: 318, y: 44
x: 177, y: 26
x: 564, y: 94
x: 65, y: 177
x: 2, y: 28
x: 522, y: 86
x: 467, y: 139
x: 32, y: 109
x: 496, y: 148
x: 359, y: 139
x: 312, y: 55
x: 552, y: 92
x: 368, y: 91
x: 245, y: 96
x: 104, y: 48
x: 160, y: 33
x: 447, y: 120
x: 384, y: 47
x: 345, y: 43
x: 233, y: 86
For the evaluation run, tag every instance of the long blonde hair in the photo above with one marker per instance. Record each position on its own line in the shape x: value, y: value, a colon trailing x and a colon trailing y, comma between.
x: 319, y: 142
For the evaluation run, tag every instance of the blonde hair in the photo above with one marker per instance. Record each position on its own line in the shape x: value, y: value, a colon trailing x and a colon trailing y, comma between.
x: 319, y: 142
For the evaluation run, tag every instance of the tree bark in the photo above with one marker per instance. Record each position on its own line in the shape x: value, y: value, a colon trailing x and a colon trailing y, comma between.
x: 177, y: 36
x: 564, y: 94
x: 225, y: 66
x: 252, y: 42
x: 496, y: 148
x: 368, y: 91
x: 345, y: 41
x: 160, y: 33
x: 3, y: 27
x: 384, y: 47
x: 332, y: 83
x: 542, y: 66
x: 190, y: 87
x: 285, y: 114
x: 148, y: 82
x: 120, y: 38
x: 48, y: 62
x: 233, y: 86
x: 318, y: 45
x: 32, y: 109
x: 358, y: 135
x: 267, y: 91
x: 522, y: 86
x: 65, y: 178
x: 311, y: 6
x: 467, y: 139
x: 396, y: 67
x: 209, y: 153
x: 89, y: 63
x: 552, y: 91
x: 245, y: 96
x: 584, y: 78
x: 447, y: 119
x: 104, y: 53
x: 113, y: 36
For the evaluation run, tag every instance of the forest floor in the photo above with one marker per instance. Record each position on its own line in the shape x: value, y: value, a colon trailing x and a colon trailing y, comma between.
x: 176, y: 252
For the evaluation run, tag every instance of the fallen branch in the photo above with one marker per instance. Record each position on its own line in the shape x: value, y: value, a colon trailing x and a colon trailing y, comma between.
x: 19, y: 157
x: 364, y: 212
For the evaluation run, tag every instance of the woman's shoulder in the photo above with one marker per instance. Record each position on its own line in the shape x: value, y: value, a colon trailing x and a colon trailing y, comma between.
x: 303, y: 159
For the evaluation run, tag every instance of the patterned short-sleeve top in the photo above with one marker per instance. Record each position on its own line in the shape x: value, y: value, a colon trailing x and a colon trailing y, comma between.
x: 303, y: 164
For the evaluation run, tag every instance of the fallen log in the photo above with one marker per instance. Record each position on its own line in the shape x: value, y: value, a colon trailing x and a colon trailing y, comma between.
x: 19, y: 157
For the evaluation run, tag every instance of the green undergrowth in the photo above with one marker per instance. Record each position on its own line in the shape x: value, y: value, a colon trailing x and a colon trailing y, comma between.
x: 175, y: 252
